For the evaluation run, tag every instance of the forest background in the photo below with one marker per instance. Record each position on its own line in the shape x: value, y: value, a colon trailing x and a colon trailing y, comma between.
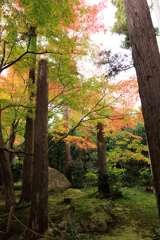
x: 87, y: 111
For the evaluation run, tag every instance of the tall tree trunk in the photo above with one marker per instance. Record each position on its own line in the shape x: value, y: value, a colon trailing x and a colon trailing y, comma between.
x: 1, y: 173
x: 6, y: 172
x: 103, y: 185
x: 29, y: 134
x: 67, y: 145
x: 147, y: 63
x: 38, y: 220
x: 2, y: 182
x: 13, y: 128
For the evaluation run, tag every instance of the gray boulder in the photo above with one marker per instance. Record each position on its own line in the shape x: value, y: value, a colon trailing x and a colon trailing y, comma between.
x: 57, y: 180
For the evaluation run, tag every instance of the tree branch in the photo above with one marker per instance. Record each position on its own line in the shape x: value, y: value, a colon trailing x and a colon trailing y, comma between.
x: 7, y: 150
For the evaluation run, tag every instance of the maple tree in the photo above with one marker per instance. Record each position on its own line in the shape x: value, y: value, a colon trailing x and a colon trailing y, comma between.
x: 20, y: 17
x: 10, y: 115
x: 58, y: 39
x: 127, y: 146
x: 104, y: 100
x: 115, y: 110
x: 64, y: 41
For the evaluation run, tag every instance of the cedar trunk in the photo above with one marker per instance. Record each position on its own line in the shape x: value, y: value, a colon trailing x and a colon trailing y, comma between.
x: 38, y: 220
x: 28, y: 161
x: 12, y: 137
x: 102, y: 165
x: 67, y: 145
x: 147, y: 63
x: 7, y: 173
x: 29, y: 134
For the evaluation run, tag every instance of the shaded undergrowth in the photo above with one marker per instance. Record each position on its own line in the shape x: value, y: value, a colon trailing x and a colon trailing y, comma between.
x: 132, y: 216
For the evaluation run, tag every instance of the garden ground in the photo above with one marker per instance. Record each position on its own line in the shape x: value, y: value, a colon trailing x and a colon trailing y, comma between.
x: 133, y: 216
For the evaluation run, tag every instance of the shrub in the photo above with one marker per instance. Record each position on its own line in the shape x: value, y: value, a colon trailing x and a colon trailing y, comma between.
x: 17, y: 171
x: 108, y: 182
x: 115, y: 188
x: 91, y: 179
x: 75, y: 172
x: 127, y: 179
x: 113, y: 178
x: 146, y: 177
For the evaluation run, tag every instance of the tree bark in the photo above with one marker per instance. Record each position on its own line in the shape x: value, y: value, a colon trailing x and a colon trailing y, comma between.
x: 2, y: 182
x: 29, y: 134
x: 102, y: 165
x: 7, y: 173
x: 12, y: 137
x: 38, y: 220
x: 28, y: 161
x: 67, y: 145
x: 101, y: 148
x: 147, y: 63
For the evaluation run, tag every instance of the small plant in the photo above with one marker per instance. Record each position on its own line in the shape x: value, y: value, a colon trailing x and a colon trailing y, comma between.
x: 91, y: 179
x: 17, y: 171
x: 108, y: 182
x: 75, y: 172
x: 113, y: 177
x: 115, y: 188
x: 72, y: 228
x: 155, y: 233
x: 127, y: 179
x: 146, y: 177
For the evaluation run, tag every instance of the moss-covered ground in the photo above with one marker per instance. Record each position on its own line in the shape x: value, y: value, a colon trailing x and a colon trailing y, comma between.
x: 133, y: 216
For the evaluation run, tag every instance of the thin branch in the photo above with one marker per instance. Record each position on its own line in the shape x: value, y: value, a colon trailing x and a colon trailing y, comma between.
x: 58, y: 111
x: 53, y: 99
x: 11, y: 136
x: 4, y: 52
x: 14, y: 105
x: 82, y: 119
x: 59, y: 106
x: 10, y: 52
x: 5, y: 149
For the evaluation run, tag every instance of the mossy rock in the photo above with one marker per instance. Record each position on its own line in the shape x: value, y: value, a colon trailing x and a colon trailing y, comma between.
x: 89, y: 218
x: 73, y: 193
x: 102, y: 216
x: 63, y: 225
x: 99, y: 222
x: 89, y: 215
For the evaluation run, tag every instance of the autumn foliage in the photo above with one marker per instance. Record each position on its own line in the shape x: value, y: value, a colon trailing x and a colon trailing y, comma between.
x: 66, y: 41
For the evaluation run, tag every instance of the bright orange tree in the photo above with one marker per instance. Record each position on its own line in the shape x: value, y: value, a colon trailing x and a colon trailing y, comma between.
x: 14, y: 102
x: 64, y: 39
x: 98, y: 99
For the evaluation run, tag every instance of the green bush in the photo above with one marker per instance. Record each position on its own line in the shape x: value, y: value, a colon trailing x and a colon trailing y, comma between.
x: 113, y: 178
x: 127, y: 179
x: 16, y: 171
x: 109, y: 183
x: 75, y: 172
x: 146, y: 177
x: 91, y: 179
x: 115, y: 188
